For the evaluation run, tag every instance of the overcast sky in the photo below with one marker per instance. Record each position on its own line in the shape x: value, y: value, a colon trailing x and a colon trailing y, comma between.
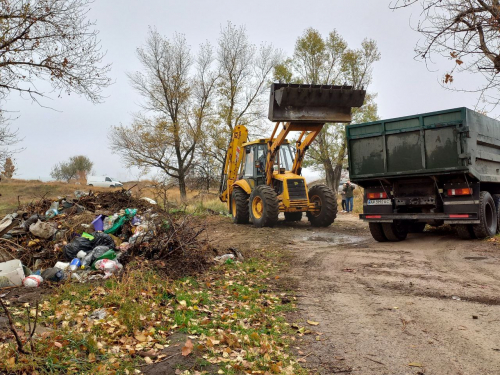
x: 404, y: 86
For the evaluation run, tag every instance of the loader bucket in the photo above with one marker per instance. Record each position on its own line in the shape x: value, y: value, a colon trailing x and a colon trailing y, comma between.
x: 313, y: 103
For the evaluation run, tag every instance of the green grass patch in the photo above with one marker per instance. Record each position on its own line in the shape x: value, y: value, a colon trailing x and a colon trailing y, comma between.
x: 237, y: 324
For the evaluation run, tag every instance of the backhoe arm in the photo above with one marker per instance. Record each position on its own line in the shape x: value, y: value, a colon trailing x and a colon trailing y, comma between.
x: 232, y: 162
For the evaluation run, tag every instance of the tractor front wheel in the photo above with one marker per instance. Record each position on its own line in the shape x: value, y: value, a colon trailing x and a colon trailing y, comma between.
x: 324, y: 198
x: 239, y: 206
x: 264, y: 206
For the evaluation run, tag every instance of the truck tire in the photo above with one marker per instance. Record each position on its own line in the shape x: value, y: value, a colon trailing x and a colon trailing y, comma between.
x: 465, y: 231
x: 327, y: 202
x: 496, y: 198
x: 239, y: 206
x: 416, y: 227
x: 264, y: 206
x: 377, y: 232
x: 396, y: 231
x: 488, y: 220
x: 293, y: 216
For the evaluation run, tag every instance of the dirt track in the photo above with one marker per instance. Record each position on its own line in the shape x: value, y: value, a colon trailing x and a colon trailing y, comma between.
x: 432, y: 301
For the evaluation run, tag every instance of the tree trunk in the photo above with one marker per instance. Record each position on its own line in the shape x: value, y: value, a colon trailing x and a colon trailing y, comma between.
x: 182, y: 184
x: 329, y: 174
x: 339, y: 163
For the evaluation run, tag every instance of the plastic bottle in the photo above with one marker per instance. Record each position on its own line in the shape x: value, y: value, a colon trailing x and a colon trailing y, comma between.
x: 52, y: 211
x: 75, y: 264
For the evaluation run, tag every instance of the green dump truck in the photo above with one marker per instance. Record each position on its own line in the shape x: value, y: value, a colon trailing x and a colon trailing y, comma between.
x: 433, y: 168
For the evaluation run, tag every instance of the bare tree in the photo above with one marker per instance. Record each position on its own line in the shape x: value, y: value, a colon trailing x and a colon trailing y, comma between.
x: 244, y: 73
x: 465, y: 33
x: 50, y: 40
x: 8, y: 138
x: 178, y: 102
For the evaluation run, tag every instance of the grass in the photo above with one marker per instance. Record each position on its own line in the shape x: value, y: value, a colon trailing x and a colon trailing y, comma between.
x: 235, y: 322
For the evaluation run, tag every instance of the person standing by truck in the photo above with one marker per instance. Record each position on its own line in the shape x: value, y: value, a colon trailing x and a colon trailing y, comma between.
x: 349, y: 195
x: 344, y: 204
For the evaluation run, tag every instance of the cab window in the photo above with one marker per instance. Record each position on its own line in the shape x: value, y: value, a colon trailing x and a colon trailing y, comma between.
x: 249, y: 162
x: 108, y: 179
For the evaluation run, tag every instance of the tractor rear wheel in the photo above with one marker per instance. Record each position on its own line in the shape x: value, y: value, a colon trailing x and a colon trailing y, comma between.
x: 239, y: 206
x: 396, y: 231
x: 264, y: 206
x: 325, y: 199
x: 377, y: 232
x: 293, y: 216
x: 487, y: 226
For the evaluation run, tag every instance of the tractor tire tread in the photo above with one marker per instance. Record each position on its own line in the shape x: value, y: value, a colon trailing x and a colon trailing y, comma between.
x: 328, y: 215
x: 240, y: 198
x: 271, y: 206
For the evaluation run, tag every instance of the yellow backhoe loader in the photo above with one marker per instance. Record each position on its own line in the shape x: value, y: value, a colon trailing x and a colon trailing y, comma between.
x: 262, y: 178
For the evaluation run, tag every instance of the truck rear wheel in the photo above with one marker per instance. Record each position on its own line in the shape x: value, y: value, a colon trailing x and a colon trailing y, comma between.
x: 488, y: 220
x: 465, y: 231
x: 377, y: 232
x: 496, y: 198
x: 323, y: 197
x: 239, y: 206
x: 264, y: 206
x: 396, y: 231
x: 293, y: 216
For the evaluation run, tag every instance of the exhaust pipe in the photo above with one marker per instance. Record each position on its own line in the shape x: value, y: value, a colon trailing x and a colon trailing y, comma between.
x: 313, y: 103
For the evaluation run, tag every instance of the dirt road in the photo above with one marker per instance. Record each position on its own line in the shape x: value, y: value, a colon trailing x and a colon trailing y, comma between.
x: 428, y: 305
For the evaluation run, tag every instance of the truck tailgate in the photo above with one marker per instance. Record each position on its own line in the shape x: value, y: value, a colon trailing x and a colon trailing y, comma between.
x: 431, y: 143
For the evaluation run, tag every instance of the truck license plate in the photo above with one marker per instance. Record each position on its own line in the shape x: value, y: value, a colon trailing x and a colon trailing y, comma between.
x: 377, y: 202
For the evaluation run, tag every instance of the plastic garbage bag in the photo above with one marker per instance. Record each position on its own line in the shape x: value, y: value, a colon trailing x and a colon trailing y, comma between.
x: 100, y: 252
x: 127, y: 215
x: 103, y: 239
x: 32, y: 281
x: 42, y: 230
x: 109, y: 221
x: 31, y: 220
x: 108, y: 266
x: 76, y: 245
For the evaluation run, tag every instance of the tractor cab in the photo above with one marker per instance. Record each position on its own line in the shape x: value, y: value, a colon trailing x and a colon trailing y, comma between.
x: 254, y: 159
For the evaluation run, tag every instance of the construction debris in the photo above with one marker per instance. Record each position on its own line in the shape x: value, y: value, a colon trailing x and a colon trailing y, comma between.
x: 98, y: 233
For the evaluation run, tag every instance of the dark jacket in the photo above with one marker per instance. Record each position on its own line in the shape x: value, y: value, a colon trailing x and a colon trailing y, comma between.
x: 348, y: 189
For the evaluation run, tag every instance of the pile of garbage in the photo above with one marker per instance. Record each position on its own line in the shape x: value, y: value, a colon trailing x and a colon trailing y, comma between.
x: 93, y: 236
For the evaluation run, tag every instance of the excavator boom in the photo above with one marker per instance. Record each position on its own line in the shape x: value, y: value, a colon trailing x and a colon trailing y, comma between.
x: 232, y: 161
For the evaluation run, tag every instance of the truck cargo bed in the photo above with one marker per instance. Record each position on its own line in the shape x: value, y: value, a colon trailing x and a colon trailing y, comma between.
x: 451, y: 141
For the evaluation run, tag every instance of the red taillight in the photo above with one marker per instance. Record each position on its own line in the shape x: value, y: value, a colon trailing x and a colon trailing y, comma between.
x: 373, y: 217
x: 459, y: 216
x: 466, y: 191
x: 376, y: 195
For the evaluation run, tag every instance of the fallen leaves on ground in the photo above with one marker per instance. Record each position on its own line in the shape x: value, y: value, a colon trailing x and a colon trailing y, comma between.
x: 187, y: 348
x: 222, y: 313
